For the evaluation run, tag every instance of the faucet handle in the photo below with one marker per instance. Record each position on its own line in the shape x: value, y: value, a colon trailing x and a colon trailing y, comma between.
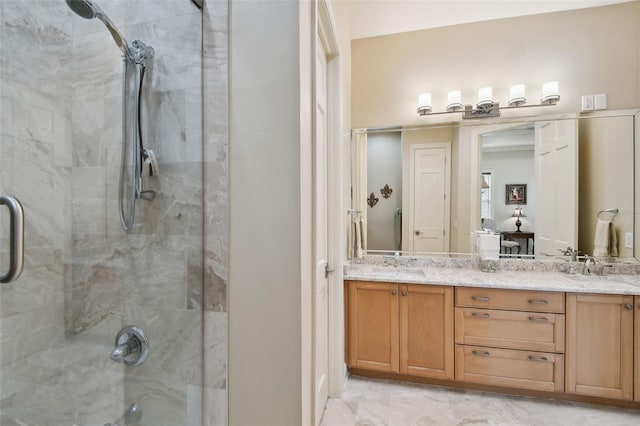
x: 132, y: 346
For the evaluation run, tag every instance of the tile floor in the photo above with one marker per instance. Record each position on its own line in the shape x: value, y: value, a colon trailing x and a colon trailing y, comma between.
x: 382, y: 402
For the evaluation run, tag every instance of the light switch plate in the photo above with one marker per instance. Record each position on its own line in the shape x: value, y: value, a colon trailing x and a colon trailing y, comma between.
x: 600, y: 101
x: 587, y: 102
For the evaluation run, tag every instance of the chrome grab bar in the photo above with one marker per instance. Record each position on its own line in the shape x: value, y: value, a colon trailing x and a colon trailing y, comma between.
x: 16, y: 238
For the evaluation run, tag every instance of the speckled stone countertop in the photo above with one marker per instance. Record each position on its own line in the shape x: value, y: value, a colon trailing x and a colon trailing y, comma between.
x: 505, y: 278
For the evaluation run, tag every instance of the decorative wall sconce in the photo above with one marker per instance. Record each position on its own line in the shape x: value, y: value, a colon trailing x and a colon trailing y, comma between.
x: 386, y: 191
x: 372, y: 200
x: 486, y: 106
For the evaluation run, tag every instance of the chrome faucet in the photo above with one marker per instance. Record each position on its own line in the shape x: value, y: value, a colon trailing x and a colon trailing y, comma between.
x: 589, y: 261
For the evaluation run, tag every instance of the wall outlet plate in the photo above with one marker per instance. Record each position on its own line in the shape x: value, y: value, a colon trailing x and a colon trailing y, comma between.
x: 628, y: 239
x: 587, y: 102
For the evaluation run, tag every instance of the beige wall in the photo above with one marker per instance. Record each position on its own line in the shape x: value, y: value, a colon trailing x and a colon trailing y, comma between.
x: 265, y: 219
x: 603, y: 164
x: 588, y: 51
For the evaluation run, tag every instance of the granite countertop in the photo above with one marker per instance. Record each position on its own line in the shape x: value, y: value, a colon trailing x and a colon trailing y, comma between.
x: 507, y: 279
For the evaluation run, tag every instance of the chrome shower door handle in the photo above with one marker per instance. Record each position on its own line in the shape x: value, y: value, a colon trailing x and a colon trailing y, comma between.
x: 16, y: 238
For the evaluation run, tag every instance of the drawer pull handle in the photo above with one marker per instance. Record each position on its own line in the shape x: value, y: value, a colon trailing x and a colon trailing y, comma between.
x: 538, y: 319
x: 477, y: 315
x: 481, y: 353
x: 538, y: 302
x: 480, y: 298
x: 538, y: 358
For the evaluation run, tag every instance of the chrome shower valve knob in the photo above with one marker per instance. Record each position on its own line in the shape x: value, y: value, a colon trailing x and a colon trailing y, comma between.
x: 132, y: 347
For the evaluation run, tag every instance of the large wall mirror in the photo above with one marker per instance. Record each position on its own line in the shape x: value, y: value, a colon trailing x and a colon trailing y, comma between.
x: 542, y: 182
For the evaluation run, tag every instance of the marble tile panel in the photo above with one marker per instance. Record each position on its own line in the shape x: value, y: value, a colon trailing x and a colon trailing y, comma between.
x: 215, y: 349
x: 413, y: 404
x: 42, y: 191
x: 29, y: 114
x: 157, y: 270
x: 194, y: 405
x: 96, y: 294
x: 195, y: 275
x: 175, y: 340
x: 339, y: 412
x: 177, y: 42
x: 30, y: 332
x: 177, y: 207
x: 216, y: 275
x: 215, y: 409
x: 163, y: 401
x: 41, y: 283
x: 88, y: 219
x: 97, y: 60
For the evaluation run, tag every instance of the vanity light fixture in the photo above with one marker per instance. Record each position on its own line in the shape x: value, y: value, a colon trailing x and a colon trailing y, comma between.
x: 486, y: 106
x: 454, y: 101
x: 424, y: 103
x: 516, y: 95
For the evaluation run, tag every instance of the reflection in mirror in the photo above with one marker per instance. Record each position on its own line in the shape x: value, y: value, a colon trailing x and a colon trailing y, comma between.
x: 507, y: 186
x: 487, y: 168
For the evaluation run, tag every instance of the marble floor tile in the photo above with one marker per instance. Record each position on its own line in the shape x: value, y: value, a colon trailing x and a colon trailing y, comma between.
x: 374, y: 402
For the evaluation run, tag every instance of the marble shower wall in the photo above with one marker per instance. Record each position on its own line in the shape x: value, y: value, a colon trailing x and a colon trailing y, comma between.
x: 84, y: 276
x: 216, y: 210
x: 151, y: 276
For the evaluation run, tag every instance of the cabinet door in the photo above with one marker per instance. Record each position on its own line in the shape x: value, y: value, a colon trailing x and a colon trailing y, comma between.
x: 636, y: 351
x: 600, y: 345
x: 373, y: 326
x: 426, y: 331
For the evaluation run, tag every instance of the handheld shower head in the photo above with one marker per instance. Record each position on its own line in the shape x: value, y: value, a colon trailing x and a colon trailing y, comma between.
x: 84, y: 8
x: 87, y: 9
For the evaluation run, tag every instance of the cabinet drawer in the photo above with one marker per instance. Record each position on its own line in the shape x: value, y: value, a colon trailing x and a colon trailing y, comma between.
x: 514, y: 300
x: 503, y: 367
x: 510, y: 329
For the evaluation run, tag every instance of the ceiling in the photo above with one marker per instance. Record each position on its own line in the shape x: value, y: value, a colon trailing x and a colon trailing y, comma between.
x: 370, y: 18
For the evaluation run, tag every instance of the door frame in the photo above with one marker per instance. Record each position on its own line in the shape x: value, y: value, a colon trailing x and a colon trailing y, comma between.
x: 323, y: 26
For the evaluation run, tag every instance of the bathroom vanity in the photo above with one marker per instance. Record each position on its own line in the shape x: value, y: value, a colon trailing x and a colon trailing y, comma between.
x: 544, y: 334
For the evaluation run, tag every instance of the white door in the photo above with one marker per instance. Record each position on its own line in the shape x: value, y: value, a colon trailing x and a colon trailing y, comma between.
x: 321, y: 287
x: 556, y: 191
x: 429, y: 184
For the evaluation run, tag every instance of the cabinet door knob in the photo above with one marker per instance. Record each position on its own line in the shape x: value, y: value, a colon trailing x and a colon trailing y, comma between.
x: 393, y: 292
x: 629, y: 306
x: 404, y: 293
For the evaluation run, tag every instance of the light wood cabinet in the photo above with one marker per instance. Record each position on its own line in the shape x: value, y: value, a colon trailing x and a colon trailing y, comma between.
x: 510, y: 300
x: 373, y: 326
x: 511, y: 368
x: 532, y: 331
x: 496, y: 331
x: 636, y: 350
x: 426, y: 331
x: 600, y: 345
x: 400, y: 328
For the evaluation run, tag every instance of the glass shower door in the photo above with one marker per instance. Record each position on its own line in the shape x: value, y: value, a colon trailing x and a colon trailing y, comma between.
x: 85, y: 277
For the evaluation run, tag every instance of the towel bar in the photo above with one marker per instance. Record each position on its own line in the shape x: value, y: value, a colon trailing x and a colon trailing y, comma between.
x: 613, y: 211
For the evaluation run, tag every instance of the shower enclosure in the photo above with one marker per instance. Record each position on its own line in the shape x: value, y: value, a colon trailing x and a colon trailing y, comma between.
x: 84, y: 276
